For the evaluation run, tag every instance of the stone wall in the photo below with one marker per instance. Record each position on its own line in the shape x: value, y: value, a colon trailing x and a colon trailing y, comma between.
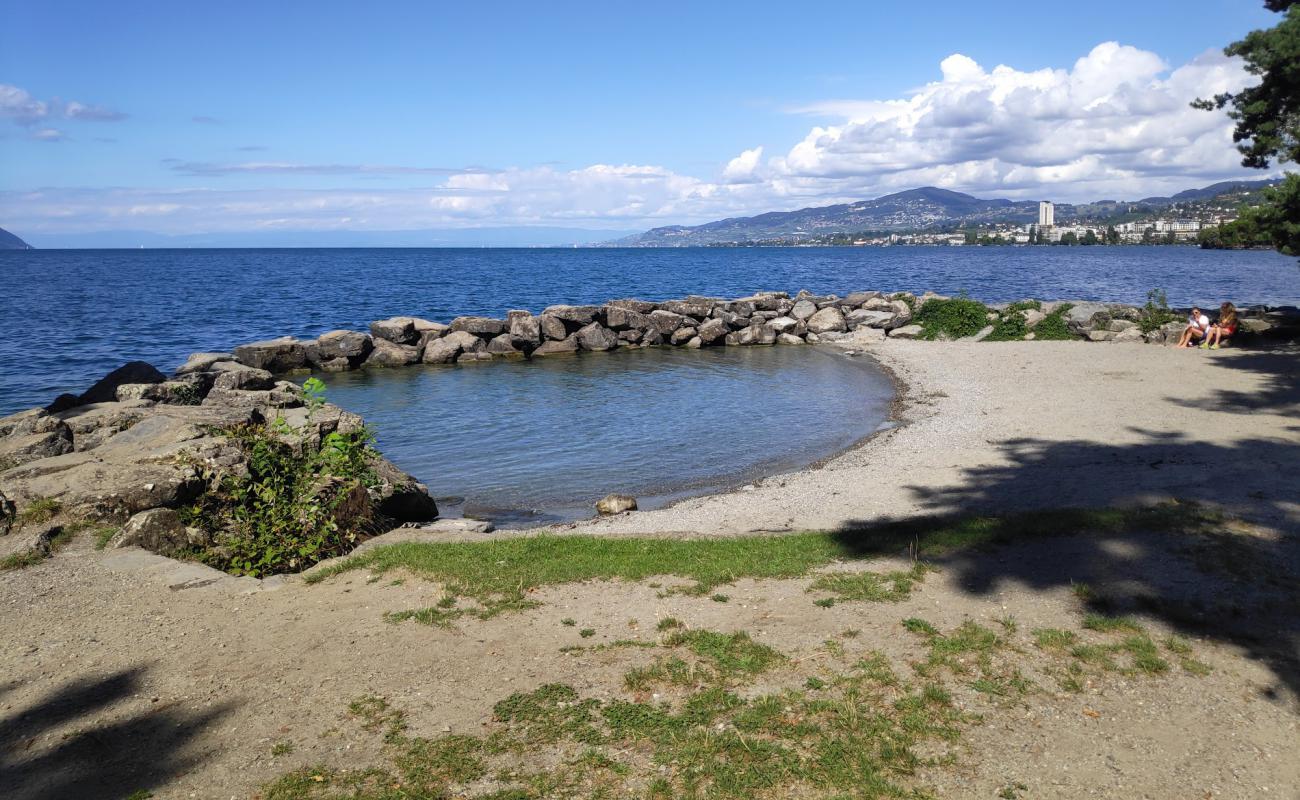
x: 766, y: 318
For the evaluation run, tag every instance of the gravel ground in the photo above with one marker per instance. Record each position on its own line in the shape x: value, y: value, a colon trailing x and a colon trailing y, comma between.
x: 122, y: 671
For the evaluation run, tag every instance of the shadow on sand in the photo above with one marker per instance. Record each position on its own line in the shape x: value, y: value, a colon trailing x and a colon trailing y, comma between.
x: 1235, y: 581
x: 72, y: 743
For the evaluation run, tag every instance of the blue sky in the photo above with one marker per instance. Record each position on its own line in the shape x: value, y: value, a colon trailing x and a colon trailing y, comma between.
x: 185, y: 118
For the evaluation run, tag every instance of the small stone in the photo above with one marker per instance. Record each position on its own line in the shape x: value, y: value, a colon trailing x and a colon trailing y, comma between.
x: 615, y: 504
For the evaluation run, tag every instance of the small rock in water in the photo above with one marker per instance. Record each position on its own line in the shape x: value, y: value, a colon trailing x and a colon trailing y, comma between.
x: 616, y: 504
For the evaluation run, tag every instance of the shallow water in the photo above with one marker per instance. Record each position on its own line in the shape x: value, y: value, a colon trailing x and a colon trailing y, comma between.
x: 537, y: 442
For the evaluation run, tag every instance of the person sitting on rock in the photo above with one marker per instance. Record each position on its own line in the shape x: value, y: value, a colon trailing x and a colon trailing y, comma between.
x: 1198, y: 325
x: 1224, y: 328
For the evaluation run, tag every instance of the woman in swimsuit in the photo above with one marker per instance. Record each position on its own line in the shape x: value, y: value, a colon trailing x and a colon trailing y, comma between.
x: 1225, y: 327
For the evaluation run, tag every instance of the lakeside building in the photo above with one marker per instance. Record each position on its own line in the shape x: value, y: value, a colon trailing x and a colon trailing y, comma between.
x: 1046, y: 214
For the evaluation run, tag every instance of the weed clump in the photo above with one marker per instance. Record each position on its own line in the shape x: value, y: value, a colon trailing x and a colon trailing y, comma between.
x: 952, y: 318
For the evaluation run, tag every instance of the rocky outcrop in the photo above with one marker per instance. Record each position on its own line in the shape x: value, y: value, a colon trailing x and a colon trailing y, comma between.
x: 615, y: 504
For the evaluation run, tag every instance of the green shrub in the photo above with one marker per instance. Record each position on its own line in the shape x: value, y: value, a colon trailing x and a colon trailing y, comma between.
x: 1024, y: 305
x: 287, y: 512
x: 1010, y: 327
x: 1156, y: 312
x: 1053, y: 327
x: 954, y: 318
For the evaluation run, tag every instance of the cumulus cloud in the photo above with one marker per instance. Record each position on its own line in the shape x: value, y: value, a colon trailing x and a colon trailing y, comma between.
x: 1117, y: 121
x: 21, y: 108
x: 743, y: 167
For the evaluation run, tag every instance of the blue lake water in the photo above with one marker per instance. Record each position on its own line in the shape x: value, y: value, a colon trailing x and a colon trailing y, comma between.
x: 553, y: 436
x: 537, y: 442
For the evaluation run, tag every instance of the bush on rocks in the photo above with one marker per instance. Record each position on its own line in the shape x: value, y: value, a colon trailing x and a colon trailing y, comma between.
x: 292, y: 506
x: 952, y: 318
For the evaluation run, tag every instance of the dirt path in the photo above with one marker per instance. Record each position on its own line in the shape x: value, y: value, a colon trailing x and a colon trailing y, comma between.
x: 119, y: 672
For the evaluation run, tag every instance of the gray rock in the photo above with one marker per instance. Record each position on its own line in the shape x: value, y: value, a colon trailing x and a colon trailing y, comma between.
x: 597, y: 338
x: 1130, y: 336
x: 33, y: 420
x: 441, y: 351
x: 758, y: 335
x: 870, y: 319
x: 276, y: 355
x: 1101, y: 336
x: 694, y: 343
x: 1121, y: 325
x: 504, y: 347
x: 879, y: 304
x: 651, y: 337
x: 639, y: 306
x: 693, y: 306
x: 578, y: 315
x: 788, y: 338
x: 352, y: 346
x: 741, y: 308
x: 553, y: 347
x: 733, y: 321
x: 812, y: 338
x: 244, y: 378
x: 390, y: 354
x: 784, y: 325
x: 553, y: 328
x: 907, y: 332
x: 666, y: 321
x: 767, y: 301
x: 202, y: 362
x: 27, y: 546
x: 631, y: 335
x: 682, y: 335
x: 827, y: 320
x: 480, y: 326
x: 1080, y: 317
x: 902, y: 314
x: 980, y: 336
x: 525, y: 329
x: 8, y: 513
x: 1032, y: 317
x: 398, y: 330
x: 105, y: 389
x: 856, y: 299
x: 158, y: 530
x: 803, y: 310
x: 621, y: 319
x: 615, y: 504
x: 16, y: 450
x: 712, y: 330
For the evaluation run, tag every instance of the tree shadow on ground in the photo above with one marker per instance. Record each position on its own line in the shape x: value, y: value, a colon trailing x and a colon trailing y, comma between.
x: 73, y: 743
x: 1186, y: 563
x: 1279, y: 371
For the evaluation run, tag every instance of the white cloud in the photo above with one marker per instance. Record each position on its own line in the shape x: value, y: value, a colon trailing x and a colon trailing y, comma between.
x: 1117, y: 122
x: 19, y: 106
x: 742, y: 168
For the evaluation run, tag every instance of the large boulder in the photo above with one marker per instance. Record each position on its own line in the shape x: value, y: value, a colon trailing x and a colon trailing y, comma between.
x: 554, y: 347
x: 202, y: 362
x: 827, y: 320
x: 275, y: 355
x: 620, y: 319
x: 502, y: 346
x: 16, y: 450
x: 907, y: 332
x: 525, y: 329
x: 159, y: 530
x: 597, y: 337
x: 552, y: 327
x: 399, y: 496
x: 870, y: 319
x: 577, y: 315
x: 692, y: 306
x: 666, y: 321
x: 8, y: 513
x: 28, y: 545
x: 1082, y: 316
x: 450, y: 347
x: 105, y: 389
x: 243, y: 378
x: 712, y: 330
x: 390, y: 354
x: 351, y: 346
x: 615, y: 504
x: 398, y: 330
x: 856, y: 299
x: 479, y: 326
x: 803, y: 310
x: 682, y: 335
x: 639, y: 306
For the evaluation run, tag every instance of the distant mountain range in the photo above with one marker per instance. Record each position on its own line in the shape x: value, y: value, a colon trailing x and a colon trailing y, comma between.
x: 10, y: 242
x: 914, y: 209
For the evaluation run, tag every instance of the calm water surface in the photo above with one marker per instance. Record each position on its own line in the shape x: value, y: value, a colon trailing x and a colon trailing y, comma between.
x: 541, y: 441
x: 69, y: 316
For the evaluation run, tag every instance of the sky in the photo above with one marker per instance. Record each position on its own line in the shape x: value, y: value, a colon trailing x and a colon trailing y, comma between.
x: 239, y: 118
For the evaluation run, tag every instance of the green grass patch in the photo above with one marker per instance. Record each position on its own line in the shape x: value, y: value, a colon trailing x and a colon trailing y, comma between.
x: 42, y: 509
x: 874, y: 587
x: 1106, y: 624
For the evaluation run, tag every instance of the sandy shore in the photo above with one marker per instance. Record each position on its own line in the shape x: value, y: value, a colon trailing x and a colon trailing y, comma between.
x: 1038, y: 424
x: 117, y: 675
